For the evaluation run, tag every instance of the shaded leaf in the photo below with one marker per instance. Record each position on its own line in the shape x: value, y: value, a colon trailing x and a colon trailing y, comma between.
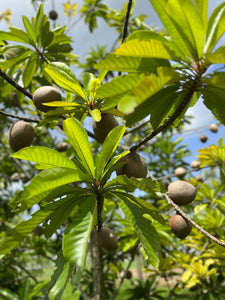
x: 77, y: 234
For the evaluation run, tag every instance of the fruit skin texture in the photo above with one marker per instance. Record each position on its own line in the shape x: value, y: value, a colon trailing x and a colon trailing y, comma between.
x: 46, y: 94
x: 180, y: 172
x: 181, y: 192
x: 53, y: 15
x: 213, y: 127
x: 203, y: 138
x: 61, y: 147
x: 106, y: 238
x: 135, y: 166
x: 195, y: 164
x: 20, y: 135
x: 104, y: 126
x: 179, y: 226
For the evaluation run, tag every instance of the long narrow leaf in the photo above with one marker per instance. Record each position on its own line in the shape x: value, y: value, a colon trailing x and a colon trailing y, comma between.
x: 43, y: 155
x: 46, y: 181
x: 77, y: 234
x: 65, y: 78
x: 145, y: 231
x: 77, y: 136
x: 108, y: 148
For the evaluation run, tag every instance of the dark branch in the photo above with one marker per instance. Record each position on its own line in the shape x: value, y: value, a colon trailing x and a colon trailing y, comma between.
x: 206, y: 233
x: 171, y: 119
x: 15, y: 84
x: 126, y: 20
x: 18, y: 117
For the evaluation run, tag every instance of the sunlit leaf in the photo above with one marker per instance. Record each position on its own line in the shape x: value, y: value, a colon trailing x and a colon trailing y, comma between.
x: 78, y: 138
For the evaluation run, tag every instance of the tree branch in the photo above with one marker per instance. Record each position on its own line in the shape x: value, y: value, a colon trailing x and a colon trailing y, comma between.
x: 18, y: 117
x: 171, y: 119
x: 15, y: 84
x: 206, y: 233
x: 126, y: 20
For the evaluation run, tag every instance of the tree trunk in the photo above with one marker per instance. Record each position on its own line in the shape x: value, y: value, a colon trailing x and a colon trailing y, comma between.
x: 97, y: 269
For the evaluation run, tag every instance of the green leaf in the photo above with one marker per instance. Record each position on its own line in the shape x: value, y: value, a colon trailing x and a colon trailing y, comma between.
x: 178, y: 20
x: 127, y: 104
x: 78, y: 138
x: 108, y: 148
x: 30, y: 69
x: 148, y: 49
x: 216, y: 27
x: 217, y: 57
x: 42, y: 155
x: 158, y: 105
x: 46, y: 36
x: 35, y: 290
x: 214, y: 100
x: 118, y: 85
x: 77, y: 234
x: 37, y: 21
x: 145, y: 231
x: 64, y: 77
x: 7, y: 294
x: 15, y: 34
x: 21, y: 231
x: 95, y: 114
x: 46, y: 181
x: 131, y: 64
x: 29, y: 29
x: 60, y: 277
x: 17, y: 60
x: 203, y: 9
x: 87, y: 78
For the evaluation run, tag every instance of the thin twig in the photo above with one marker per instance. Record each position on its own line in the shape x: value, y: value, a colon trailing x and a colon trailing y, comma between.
x: 136, y: 127
x: 126, y: 20
x: 180, y: 211
x: 18, y: 117
x: 15, y: 84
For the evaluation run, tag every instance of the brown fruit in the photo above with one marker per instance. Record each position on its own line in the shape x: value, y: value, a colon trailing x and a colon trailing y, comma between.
x: 20, y: 135
x: 203, y: 138
x: 53, y: 15
x: 104, y: 126
x: 106, y: 238
x: 195, y: 165
x: 213, y: 127
x: 181, y: 192
x: 135, y: 166
x: 46, y: 94
x: 62, y: 147
x: 180, y: 226
x: 15, y: 102
x: 180, y: 172
x: 199, y: 178
x: 128, y: 274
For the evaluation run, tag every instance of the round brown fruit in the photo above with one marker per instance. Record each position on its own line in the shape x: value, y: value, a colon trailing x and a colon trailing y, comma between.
x: 15, y: 102
x: 20, y: 135
x: 135, y: 166
x: 213, y: 128
x: 53, y: 15
x: 15, y: 177
x: 106, y: 238
x: 180, y: 172
x: 61, y: 147
x: 128, y: 274
x: 46, y: 94
x: 104, y: 126
x: 195, y: 165
x: 203, y: 138
x: 180, y: 226
x: 199, y: 178
x: 181, y: 192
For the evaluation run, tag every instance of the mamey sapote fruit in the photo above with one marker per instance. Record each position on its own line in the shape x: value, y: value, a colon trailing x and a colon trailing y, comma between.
x: 20, y: 135
x: 61, y: 147
x: 180, y: 226
x: 180, y: 172
x: 106, y: 238
x: 53, y: 15
x: 195, y: 165
x: 213, y: 127
x: 135, y: 166
x: 181, y: 192
x: 46, y: 94
x: 203, y: 138
x: 104, y: 126
x: 15, y: 177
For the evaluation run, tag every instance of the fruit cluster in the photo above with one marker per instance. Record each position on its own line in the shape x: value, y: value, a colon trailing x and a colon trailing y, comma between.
x: 181, y: 193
